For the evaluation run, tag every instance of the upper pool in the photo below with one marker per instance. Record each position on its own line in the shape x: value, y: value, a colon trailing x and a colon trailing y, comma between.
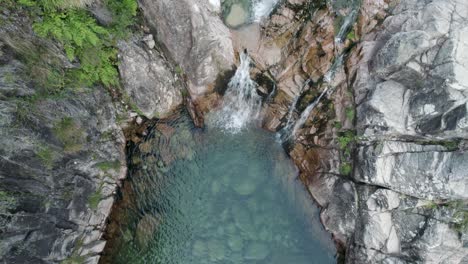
x: 206, y: 196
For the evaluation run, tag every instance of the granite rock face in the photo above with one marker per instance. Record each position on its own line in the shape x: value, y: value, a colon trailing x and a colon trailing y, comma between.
x: 148, y: 80
x: 60, y: 160
x: 411, y: 118
x: 385, y: 154
x: 195, y: 37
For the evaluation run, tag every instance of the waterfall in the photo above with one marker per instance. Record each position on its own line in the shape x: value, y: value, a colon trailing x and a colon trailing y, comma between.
x: 305, y: 114
x: 262, y: 8
x: 347, y: 24
x: 285, y: 132
x: 241, y: 104
x: 328, y: 77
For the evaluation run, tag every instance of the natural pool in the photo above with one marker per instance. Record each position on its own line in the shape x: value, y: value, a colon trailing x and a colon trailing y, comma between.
x: 206, y: 196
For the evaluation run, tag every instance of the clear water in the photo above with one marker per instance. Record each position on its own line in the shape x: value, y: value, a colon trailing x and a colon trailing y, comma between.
x: 215, y: 197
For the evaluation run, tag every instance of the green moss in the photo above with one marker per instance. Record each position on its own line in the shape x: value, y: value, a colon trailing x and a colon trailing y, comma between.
x: 7, y: 202
x: 346, y: 168
x: 109, y: 165
x: 179, y: 70
x: 350, y: 113
x: 351, y: 35
x: 95, y: 198
x: 337, y: 124
x: 46, y: 155
x: 70, y: 134
x: 74, y: 260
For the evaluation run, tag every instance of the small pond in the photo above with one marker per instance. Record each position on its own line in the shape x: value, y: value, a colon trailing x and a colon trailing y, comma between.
x: 207, y: 196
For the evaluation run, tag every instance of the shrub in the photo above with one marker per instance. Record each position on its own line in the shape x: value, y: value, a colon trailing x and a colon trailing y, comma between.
x: 83, y: 39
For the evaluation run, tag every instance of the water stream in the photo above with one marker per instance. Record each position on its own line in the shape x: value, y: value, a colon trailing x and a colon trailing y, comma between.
x: 241, y: 104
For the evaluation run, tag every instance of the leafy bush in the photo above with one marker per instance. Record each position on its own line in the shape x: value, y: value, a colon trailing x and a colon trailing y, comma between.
x: 83, y: 39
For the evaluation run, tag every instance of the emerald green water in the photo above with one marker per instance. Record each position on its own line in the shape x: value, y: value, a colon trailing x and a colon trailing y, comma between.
x: 214, y: 197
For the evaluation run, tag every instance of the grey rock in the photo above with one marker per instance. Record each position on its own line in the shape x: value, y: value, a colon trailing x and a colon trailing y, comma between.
x: 148, y: 80
x: 49, y: 160
x: 423, y: 171
x: 195, y: 37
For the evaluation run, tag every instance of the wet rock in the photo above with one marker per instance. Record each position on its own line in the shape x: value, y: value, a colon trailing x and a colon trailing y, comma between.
x: 195, y: 37
x: 237, y: 16
x: 148, y: 80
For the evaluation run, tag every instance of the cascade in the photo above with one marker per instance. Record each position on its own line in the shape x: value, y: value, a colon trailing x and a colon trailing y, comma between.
x: 241, y: 104
x: 328, y: 77
x: 347, y: 24
x: 262, y: 8
x: 285, y: 132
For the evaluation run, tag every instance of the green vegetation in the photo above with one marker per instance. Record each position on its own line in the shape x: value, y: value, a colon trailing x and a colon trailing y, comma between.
x: 109, y: 165
x: 70, y: 134
x: 346, y: 138
x: 345, y: 141
x: 350, y: 113
x: 450, y: 145
x: 90, y: 46
x: 179, y: 70
x: 95, y: 198
x: 75, y: 258
x: 46, y: 155
x: 7, y: 202
x: 351, y: 35
x: 460, y: 213
x: 346, y: 168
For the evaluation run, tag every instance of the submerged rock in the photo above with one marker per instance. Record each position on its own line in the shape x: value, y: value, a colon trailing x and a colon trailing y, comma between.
x: 256, y: 251
x: 237, y: 16
x: 146, y: 229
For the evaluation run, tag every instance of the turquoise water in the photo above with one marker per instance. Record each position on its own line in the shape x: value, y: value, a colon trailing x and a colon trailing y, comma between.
x: 214, y: 197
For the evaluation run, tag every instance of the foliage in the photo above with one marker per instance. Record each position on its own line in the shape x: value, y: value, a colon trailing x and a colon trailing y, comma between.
x: 346, y: 138
x: 123, y: 16
x: 95, y: 198
x: 351, y: 35
x: 346, y: 168
x: 7, y: 202
x: 350, y: 113
x: 70, y: 135
x: 109, y: 165
x: 91, y: 46
x: 46, y: 155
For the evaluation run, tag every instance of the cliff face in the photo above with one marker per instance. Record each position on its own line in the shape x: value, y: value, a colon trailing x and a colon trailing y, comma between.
x: 385, y: 153
x: 411, y: 95
x: 60, y: 159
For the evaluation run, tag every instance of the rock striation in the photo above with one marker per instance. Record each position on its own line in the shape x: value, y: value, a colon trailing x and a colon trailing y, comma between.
x: 385, y: 154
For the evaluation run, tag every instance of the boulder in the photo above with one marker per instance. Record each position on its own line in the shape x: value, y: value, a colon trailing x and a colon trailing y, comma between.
x: 194, y: 36
x: 148, y: 80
